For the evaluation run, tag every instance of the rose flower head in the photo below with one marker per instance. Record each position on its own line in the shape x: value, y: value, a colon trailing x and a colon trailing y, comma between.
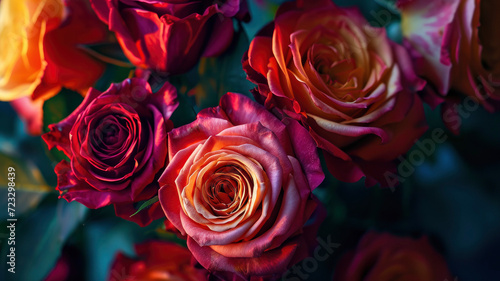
x: 238, y: 186
x: 41, y: 52
x: 352, y: 88
x: 116, y: 142
x: 171, y: 35
x: 385, y: 257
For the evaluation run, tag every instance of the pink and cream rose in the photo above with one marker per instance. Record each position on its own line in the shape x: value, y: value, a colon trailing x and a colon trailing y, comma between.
x: 239, y: 186
x: 456, y: 47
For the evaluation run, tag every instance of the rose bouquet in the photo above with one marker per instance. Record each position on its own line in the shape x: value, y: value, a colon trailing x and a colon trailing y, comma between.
x: 248, y: 139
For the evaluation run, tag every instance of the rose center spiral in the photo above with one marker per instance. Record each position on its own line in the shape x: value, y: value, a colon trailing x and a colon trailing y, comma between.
x: 225, y: 188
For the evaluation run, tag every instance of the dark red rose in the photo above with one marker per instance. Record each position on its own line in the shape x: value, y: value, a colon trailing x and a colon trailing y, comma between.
x: 170, y: 36
x: 117, y: 145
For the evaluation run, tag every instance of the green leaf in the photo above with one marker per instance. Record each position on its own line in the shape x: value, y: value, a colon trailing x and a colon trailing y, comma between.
x: 204, y: 85
x: 262, y: 13
x: 145, y: 205
x: 110, y: 53
x: 185, y: 112
x: 218, y: 76
x: 30, y: 187
x: 39, y: 239
x: 105, y: 238
x: 113, y: 74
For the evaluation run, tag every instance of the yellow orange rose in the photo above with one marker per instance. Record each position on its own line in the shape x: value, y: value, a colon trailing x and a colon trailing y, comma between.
x: 345, y: 81
x: 40, y: 43
x: 23, y: 24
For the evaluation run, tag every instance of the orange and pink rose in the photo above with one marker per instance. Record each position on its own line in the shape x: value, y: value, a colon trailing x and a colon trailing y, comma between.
x: 345, y: 81
x: 239, y: 187
x: 455, y: 45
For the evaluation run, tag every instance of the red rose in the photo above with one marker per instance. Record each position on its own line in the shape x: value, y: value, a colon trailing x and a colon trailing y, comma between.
x: 239, y: 185
x: 350, y: 86
x: 157, y: 261
x: 384, y: 257
x: 170, y: 36
x: 117, y: 145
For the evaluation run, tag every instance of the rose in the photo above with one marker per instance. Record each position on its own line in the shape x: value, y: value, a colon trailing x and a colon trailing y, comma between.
x: 344, y: 81
x: 22, y: 31
x: 157, y: 260
x: 384, y: 257
x: 238, y: 185
x: 30, y: 112
x: 40, y: 43
x: 117, y: 145
x: 455, y: 46
x: 170, y: 36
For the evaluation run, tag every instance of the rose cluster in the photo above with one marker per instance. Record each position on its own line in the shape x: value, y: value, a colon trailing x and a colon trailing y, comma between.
x: 237, y: 182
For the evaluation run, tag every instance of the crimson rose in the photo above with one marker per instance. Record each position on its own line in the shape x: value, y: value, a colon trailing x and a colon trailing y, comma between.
x: 117, y: 145
x: 352, y: 88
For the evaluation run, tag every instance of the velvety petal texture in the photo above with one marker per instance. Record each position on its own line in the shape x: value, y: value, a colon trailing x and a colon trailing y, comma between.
x: 455, y: 44
x: 385, y: 257
x: 352, y: 88
x: 239, y: 185
x: 170, y: 36
x: 157, y: 261
x: 117, y: 145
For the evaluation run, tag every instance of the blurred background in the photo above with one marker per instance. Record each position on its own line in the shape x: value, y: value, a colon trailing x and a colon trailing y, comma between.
x: 453, y: 195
